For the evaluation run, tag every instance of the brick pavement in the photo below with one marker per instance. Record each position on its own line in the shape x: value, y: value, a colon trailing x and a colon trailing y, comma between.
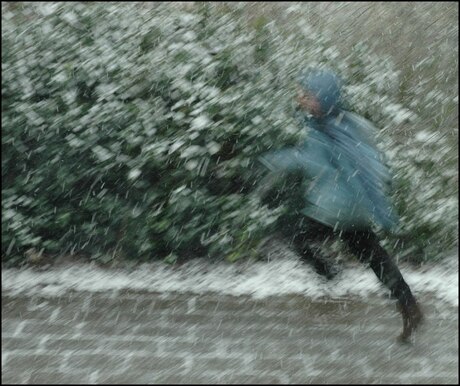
x: 135, y: 337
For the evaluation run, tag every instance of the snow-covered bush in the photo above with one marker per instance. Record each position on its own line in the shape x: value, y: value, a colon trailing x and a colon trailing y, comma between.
x: 132, y: 130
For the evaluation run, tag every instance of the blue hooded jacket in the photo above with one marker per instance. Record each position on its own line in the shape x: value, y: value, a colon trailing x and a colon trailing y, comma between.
x: 346, y: 181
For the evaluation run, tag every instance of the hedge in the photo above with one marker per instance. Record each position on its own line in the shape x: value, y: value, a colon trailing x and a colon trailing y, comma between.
x: 132, y: 131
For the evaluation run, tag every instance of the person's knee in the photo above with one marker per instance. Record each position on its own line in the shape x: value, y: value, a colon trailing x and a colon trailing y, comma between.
x: 364, y: 244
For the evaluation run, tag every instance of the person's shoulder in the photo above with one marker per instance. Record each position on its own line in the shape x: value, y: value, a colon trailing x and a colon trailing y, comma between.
x: 360, y: 121
x: 362, y: 127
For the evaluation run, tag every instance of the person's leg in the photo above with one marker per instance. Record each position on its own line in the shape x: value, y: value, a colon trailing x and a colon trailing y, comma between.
x: 366, y: 246
x: 301, y: 235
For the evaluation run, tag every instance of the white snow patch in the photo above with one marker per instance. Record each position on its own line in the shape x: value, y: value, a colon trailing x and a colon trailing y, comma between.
x: 133, y: 174
x: 260, y: 279
x: 200, y: 122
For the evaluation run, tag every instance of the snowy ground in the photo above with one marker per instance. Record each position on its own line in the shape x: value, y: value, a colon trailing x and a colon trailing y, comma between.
x: 157, y: 324
x: 280, y: 276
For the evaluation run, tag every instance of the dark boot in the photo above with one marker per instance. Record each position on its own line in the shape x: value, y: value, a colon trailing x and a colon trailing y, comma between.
x: 412, y: 317
x: 326, y: 267
x: 303, y: 233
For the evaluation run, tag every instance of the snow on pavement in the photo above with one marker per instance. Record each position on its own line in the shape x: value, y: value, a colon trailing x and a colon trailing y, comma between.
x: 259, y: 279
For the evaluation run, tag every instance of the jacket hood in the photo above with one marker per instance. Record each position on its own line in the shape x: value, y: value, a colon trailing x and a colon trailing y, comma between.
x: 325, y: 85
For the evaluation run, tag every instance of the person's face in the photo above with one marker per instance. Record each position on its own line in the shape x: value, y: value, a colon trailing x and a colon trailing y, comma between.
x: 308, y: 102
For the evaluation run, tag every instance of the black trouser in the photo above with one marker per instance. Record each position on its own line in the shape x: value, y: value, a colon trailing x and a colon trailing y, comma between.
x: 364, y: 244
